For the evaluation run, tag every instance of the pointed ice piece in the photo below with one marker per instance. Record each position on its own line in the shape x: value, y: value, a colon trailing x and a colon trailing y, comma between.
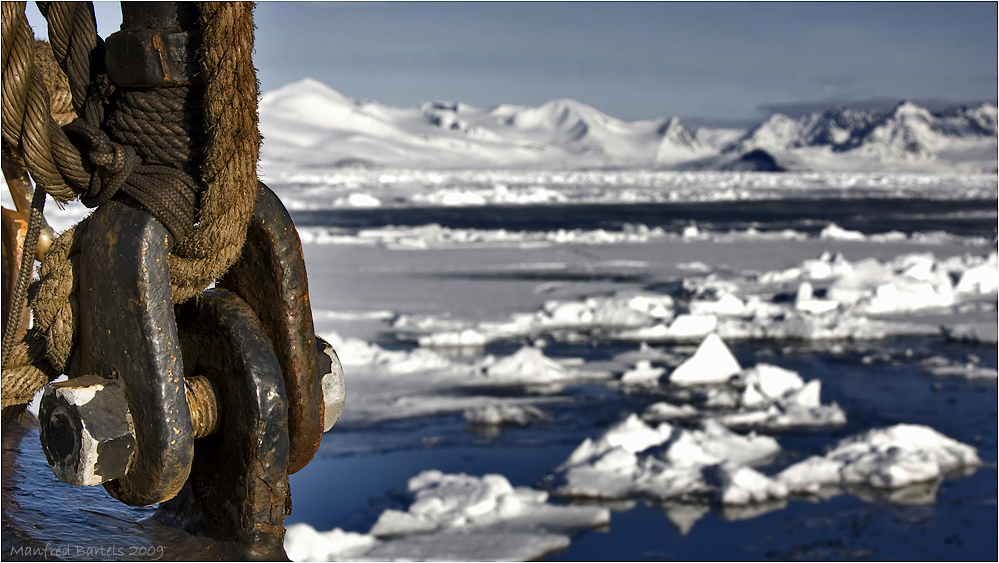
x: 643, y: 372
x: 711, y: 363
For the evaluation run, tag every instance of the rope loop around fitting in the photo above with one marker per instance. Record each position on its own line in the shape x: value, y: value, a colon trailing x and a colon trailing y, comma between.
x: 196, y: 173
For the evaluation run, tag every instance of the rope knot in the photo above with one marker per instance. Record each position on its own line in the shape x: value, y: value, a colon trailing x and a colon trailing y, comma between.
x: 115, y: 163
x: 168, y: 193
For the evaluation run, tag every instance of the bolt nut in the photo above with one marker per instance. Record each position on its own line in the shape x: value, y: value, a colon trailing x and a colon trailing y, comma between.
x: 334, y: 386
x: 86, y: 430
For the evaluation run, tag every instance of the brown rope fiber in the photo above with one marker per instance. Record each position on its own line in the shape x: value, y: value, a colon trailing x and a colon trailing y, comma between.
x: 227, y: 186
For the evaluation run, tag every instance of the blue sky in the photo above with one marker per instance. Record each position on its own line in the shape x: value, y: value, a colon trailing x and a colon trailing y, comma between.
x: 631, y: 60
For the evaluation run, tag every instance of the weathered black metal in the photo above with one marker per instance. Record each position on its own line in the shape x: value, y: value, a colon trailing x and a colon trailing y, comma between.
x: 157, y: 45
x: 127, y: 330
x: 238, y: 489
x: 270, y: 276
x: 252, y: 338
x: 86, y: 430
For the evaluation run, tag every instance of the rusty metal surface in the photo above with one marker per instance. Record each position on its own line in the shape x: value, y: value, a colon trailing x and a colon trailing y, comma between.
x: 14, y: 230
x: 156, y: 47
x: 238, y: 489
x: 270, y: 276
x: 127, y: 330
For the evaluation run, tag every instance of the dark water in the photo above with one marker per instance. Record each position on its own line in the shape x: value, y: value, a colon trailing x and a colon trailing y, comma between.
x: 870, y: 216
x: 348, y: 484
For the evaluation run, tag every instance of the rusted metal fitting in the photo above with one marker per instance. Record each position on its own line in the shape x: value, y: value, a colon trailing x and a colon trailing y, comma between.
x: 157, y: 46
x: 87, y: 432
x: 334, y: 385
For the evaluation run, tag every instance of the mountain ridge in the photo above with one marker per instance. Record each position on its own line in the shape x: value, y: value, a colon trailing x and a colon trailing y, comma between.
x: 309, y: 123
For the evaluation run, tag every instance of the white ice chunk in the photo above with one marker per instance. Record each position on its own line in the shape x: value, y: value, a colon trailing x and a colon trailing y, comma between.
x: 466, y: 337
x: 500, y: 414
x: 835, y: 232
x: 882, y: 458
x: 632, y: 459
x: 527, y: 365
x: 772, y: 382
x: 454, y: 517
x: 643, y: 373
x: 982, y: 279
x: 728, y: 305
x: 711, y: 363
x: 743, y: 485
x: 691, y: 327
x: 665, y: 412
x: 303, y: 543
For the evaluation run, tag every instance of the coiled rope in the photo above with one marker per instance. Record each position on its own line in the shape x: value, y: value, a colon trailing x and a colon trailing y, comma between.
x: 195, y: 171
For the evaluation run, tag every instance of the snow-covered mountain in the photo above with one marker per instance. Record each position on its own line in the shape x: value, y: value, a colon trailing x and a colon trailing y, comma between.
x: 308, y: 124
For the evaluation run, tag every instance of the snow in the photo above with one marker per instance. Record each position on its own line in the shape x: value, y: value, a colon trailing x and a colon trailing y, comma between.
x: 454, y: 517
x: 306, y: 123
x: 882, y: 458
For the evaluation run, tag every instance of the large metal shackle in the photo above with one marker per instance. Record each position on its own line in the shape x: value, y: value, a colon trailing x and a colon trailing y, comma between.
x: 135, y: 417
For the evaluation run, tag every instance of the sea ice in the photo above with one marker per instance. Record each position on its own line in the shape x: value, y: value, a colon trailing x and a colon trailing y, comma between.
x: 711, y: 363
x: 835, y: 232
x: 633, y: 459
x: 762, y: 397
x: 643, y: 373
x: 454, y: 517
x: 527, y: 365
x: 665, y: 412
x: 504, y: 414
x: 303, y: 543
x: 882, y: 458
x: 941, y: 366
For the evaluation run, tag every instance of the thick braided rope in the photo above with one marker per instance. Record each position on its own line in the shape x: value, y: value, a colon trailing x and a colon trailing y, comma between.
x: 60, y: 99
x: 20, y: 288
x: 231, y: 150
x: 229, y: 171
x: 27, y: 124
x: 73, y: 31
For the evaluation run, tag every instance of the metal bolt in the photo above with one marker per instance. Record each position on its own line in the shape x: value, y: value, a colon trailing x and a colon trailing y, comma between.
x: 334, y: 386
x: 86, y: 429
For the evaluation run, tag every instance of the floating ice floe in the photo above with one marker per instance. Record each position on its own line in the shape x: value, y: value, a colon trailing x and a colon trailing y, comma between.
x: 764, y: 397
x: 526, y: 366
x: 885, y: 458
x: 436, y: 236
x: 643, y: 373
x: 423, y: 237
x: 711, y: 363
x: 633, y: 459
x: 712, y: 464
x: 358, y: 353
x: 504, y: 414
x: 909, y: 283
x: 778, y: 399
x: 454, y: 518
x: 315, y: 188
x: 833, y: 298
x: 941, y: 366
